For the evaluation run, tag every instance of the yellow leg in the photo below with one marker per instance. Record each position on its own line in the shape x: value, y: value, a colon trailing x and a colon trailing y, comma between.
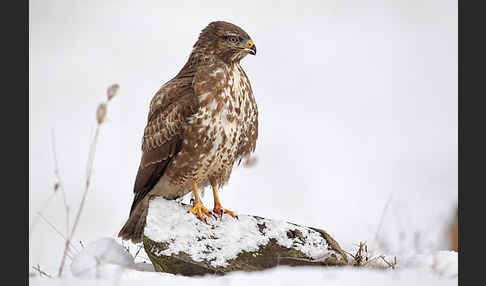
x: 198, y: 207
x: 218, y: 209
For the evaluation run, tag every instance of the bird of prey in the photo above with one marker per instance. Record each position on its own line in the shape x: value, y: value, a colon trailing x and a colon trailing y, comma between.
x: 200, y: 124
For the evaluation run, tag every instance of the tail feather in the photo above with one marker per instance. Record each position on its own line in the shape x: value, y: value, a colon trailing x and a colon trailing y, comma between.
x: 133, y: 228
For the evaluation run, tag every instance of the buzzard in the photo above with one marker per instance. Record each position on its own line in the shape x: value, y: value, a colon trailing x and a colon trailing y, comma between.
x: 200, y: 123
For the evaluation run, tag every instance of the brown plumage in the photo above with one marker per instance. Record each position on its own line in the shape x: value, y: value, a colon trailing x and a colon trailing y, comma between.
x: 200, y: 123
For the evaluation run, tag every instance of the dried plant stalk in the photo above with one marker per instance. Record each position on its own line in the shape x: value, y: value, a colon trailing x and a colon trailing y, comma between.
x: 362, y: 258
x: 100, y: 117
x: 41, y: 272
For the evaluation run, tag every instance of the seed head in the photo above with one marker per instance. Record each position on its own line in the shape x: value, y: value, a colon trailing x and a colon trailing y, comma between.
x: 101, y: 113
x: 112, y: 90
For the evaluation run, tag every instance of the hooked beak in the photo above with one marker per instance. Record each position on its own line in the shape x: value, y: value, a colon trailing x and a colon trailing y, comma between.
x: 251, y: 48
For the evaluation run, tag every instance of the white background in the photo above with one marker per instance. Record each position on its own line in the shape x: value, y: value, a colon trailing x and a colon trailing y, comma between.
x: 357, y: 103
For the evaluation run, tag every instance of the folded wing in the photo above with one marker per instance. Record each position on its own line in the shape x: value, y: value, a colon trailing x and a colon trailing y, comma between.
x: 170, y: 108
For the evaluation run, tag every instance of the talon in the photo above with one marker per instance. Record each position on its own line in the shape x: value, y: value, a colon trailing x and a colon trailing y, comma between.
x: 220, y: 211
x: 198, y: 210
x: 230, y: 213
x: 214, y: 215
x: 217, y: 204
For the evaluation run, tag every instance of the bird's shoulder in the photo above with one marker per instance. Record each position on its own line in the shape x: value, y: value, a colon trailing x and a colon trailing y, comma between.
x: 176, y: 91
x: 170, y: 108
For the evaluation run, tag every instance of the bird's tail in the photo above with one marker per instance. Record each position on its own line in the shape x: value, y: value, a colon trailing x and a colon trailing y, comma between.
x: 133, y: 228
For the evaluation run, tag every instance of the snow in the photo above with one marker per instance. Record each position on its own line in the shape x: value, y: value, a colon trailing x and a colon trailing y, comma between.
x: 169, y: 221
x: 442, y: 263
x: 283, y: 275
x: 101, y: 258
x: 115, y: 266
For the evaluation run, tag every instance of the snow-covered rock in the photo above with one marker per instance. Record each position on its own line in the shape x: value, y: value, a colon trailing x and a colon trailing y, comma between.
x: 177, y: 242
x: 102, y: 258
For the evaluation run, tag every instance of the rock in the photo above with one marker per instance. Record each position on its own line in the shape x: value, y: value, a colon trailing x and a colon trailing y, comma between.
x: 178, y: 243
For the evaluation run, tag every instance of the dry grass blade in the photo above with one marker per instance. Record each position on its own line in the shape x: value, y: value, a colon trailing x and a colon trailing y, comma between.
x: 100, y: 116
x: 382, y: 217
x: 138, y: 251
x: 361, y: 258
x: 75, y: 250
x: 41, y: 272
x: 59, y: 184
x: 81, y: 205
x: 393, y: 264
x: 36, y: 219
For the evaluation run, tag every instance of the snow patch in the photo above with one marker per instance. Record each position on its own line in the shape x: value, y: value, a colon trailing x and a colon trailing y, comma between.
x: 222, y: 240
x: 102, y: 258
x: 443, y: 263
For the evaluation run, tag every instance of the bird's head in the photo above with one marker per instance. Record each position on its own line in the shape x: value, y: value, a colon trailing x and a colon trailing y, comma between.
x: 226, y: 41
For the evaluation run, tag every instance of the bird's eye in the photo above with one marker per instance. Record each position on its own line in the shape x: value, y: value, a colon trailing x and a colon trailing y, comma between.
x: 233, y: 39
